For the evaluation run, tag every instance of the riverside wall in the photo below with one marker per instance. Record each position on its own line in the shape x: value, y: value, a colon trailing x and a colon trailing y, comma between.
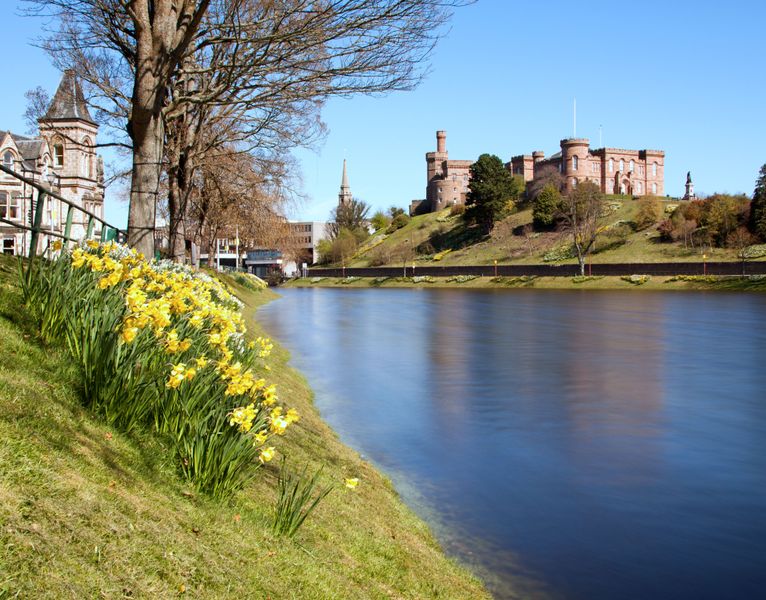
x: 569, y: 270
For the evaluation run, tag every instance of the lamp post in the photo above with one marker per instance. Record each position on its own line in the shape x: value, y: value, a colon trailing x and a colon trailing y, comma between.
x: 495, y: 267
x: 404, y: 262
x: 704, y: 264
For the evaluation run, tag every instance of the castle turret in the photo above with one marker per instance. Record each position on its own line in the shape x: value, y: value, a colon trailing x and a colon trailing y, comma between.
x: 344, y: 196
x: 441, y: 141
x: 574, y: 156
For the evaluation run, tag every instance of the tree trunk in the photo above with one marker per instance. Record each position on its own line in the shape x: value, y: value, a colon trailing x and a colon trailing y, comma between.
x: 145, y: 181
x: 581, y: 262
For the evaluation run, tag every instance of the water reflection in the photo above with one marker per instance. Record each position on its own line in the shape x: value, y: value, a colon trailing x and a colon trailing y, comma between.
x: 576, y: 445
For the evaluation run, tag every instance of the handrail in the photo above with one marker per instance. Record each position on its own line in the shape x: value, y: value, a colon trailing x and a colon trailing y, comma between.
x: 36, y: 227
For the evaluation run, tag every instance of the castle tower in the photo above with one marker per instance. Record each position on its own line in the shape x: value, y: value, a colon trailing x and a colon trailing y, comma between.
x: 574, y: 156
x: 71, y: 133
x: 344, y: 197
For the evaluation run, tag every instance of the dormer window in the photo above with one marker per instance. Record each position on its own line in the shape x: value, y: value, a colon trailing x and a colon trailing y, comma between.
x: 8, y: 160
x: 58, y: 155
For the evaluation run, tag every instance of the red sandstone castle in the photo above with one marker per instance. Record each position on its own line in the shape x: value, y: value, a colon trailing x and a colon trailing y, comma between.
x: 614, y: 170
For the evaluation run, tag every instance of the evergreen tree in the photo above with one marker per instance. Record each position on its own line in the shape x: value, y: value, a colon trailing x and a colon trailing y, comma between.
x: 546, y: 206
x: 491, y: 188
x: 758, y: 206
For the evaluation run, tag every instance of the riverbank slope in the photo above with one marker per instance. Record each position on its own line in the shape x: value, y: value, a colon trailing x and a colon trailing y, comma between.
x: 755, y: 283
x: 88, y: 511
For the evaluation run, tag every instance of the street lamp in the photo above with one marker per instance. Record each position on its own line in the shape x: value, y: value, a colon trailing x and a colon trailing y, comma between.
x: 404, y: 261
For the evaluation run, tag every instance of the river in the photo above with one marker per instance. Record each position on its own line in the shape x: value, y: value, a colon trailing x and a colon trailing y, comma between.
x: 562, y: 444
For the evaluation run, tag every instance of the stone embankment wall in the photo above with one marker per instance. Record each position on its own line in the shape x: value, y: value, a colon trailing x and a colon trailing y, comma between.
x: 617, y: 269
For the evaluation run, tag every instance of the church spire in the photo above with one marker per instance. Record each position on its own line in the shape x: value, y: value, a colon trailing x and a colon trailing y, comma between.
x: 344, y: 197
x: 68, y: 102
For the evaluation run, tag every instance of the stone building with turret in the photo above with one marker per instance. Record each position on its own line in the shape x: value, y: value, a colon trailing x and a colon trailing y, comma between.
x: 614, y: 170
x: 63, y: 157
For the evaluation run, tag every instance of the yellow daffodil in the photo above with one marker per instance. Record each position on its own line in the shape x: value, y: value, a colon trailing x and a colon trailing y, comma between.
x: 352, y: 482
x: 267, y: 454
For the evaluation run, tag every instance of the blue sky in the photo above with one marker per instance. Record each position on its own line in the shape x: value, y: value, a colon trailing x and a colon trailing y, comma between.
x: 686, y: 77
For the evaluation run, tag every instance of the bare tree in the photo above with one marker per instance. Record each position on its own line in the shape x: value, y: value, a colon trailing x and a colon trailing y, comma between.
x: 38, y: 102
x: 546, y: 175
x: 580, y: 210
x: 258, y: 55
x: 351, y: 216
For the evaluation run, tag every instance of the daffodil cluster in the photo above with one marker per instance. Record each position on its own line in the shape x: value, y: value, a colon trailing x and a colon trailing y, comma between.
x: 186, y: 325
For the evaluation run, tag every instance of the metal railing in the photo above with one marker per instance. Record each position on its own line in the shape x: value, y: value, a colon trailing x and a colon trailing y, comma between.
x: 108, y: 232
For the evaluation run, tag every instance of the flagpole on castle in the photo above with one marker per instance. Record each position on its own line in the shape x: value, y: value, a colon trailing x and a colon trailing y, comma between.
x: 574, y: 128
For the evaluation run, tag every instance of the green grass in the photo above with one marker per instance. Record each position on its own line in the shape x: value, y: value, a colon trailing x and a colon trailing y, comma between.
x: 87, y: 512
x: 426, y: 234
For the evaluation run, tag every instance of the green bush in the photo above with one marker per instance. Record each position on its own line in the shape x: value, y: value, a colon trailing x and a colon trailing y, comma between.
x: 398, y: 222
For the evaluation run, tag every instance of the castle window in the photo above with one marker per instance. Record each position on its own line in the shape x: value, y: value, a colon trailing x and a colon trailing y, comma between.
x: 574, y: 163
x: 58, y: 155
x: 574, y: 182
x: 8, y: 160
x: 641, y: 170
x: 622, y: 165
x: 611, y: 165
x: 9, y: 246
x: 639, y: 190
x: 654, y: 189
x: 623, y: 189
x: 3, y: 205
x: 654, y: 169
x: 631, y: 166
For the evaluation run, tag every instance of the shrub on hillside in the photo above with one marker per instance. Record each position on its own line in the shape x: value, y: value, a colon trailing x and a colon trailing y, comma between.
x: 456, y: 210
x: 398, y: 222
x: 545, y: 206
x: 649, y: 211
x: 162, y: 347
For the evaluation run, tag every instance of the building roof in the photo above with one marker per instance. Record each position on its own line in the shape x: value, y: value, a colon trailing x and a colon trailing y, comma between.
x: 68, y: 102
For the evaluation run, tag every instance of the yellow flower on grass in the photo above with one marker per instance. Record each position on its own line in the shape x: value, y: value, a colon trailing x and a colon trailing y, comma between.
x: 352, y: 482
x: 128, y: 334
x: 279, y: 425
x: 177, y: 376
x: 92, y: 244
x: 292, y: 416
x: 57, y: 245
x: 270, y: 395
x: 201, y: 362
x: 243, y: 417
x: 267, y: 454
x: 260, y: 438
x: 190, y: 373
x: 78, y: 258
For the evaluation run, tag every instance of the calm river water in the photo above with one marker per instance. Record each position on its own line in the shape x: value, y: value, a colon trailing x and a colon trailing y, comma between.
x: 579, y: 445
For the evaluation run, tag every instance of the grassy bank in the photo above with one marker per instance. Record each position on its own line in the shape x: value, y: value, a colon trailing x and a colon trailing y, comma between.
x: 441, y: 239
x: 755, y: 283
x: 89, y: 512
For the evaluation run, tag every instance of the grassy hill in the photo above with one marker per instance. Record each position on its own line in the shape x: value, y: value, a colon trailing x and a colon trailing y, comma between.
x: 89, y: 512
x: 426, y: 238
